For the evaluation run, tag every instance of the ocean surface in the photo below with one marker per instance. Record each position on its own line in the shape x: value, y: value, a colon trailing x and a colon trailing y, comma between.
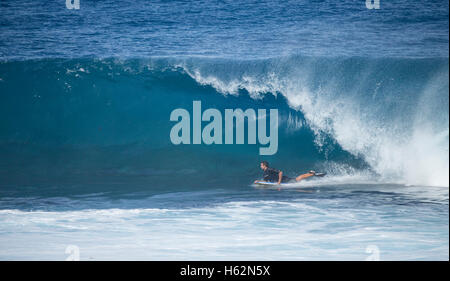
x: 88, y: 170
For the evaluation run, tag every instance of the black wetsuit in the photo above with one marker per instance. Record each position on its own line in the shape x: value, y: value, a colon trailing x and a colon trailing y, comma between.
x: 271, y: 175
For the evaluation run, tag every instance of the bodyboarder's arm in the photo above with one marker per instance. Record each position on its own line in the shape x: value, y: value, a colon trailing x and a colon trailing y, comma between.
x: 280, y: 177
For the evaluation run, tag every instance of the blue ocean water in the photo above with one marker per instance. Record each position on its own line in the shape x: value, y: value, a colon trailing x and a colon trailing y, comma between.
x: 86, y: 160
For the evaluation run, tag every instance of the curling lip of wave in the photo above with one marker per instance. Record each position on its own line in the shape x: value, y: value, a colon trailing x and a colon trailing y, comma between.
x: 411, y: 154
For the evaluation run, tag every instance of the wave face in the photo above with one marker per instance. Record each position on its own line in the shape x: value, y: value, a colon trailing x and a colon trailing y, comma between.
x: 79, y: 121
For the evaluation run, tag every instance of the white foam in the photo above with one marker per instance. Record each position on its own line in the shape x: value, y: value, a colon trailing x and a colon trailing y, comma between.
x: 311, y: 229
